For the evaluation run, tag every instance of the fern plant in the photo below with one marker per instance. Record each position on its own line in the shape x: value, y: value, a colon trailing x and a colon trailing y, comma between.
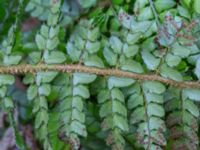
x: 120, y: 74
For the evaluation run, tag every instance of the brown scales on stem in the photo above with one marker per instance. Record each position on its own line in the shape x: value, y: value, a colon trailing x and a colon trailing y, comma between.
x: 23, y: 69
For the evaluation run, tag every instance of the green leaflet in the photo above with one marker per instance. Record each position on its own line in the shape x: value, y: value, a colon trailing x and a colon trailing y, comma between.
x: 135, y: 100
x: 164, y: 5
x: 138, y: 115
x: 87, y: 3
x: 31, y: 92
x: 41, y: 42
x: 120, y: 122
x: 116, y: 44
x: 155, y: 98
x: 193, y: 94
x: 186, y: 3
x: 184, y: 12
x: 154, y: 87
x: 133, y: 66
x: 78, y: 128
x: 44, y: 89
x: 42, y: 117
x: 154, y: 124
x: 93, y: 34
x: 119, y: 82
x: 53, y: 32
x: 8, y: 103
x: 149, y: 44
x: 39, y: 102
x: 191, y: 107
x: 103, y: 96
x: 73, y: 52
x: 197, y: 69
x: 92, y: 47
x: 44, y: 33
x: 81, y: 91
x: 54, y: 57
x: 45, y: 77
x: 172, y: 60
x: 116, y: 107
x: 6, y: 79
x: 155, y: 110
x: 130, y: 50
x: 83, y: 78
x: 35, y: 57
x: 179, y: 50
x: 140, y: 4
x: 28, y: 79
x: 52, y: 43
x: 94, y: 61
x: 133, y: 38
x: 170, y: 73
x: 141, y: 26
x: 12, y: 59
x: 3, y: 91
x: 196, y: 3
x: 117, y: 94
x: 145, y: 14
x: 105, y: 109
x: 110, y: 57
x: 151, y: 61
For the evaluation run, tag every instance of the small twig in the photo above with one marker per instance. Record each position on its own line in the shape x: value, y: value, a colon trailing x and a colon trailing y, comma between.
x: 23, y: 69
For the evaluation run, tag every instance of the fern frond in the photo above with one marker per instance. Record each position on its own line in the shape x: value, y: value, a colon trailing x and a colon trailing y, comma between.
x: 114, y: 112
x: 182, y: 120
x: 72, y: 107
x: 85, y: 46
x: 146, y: 104
x: 8, y: 46
x: 47, y: 41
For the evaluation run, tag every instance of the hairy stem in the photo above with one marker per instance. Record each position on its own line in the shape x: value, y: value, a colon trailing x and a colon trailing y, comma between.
x: 23, y: 69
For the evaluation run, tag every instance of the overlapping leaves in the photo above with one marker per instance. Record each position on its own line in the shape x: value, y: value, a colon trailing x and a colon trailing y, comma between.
x: 182, y: 119
x: 147, y: 113
x: 142, y: 43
